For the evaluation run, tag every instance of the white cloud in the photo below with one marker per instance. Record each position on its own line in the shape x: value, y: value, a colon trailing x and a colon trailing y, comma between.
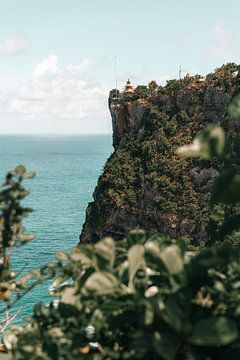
x: 162, y: 79
x: 14, y: 45
x: 223, y: 45
x: 57, y: 100
x: 46, y: 67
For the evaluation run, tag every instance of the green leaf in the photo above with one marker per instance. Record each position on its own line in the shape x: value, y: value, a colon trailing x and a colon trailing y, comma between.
x: 82, y: 254
x: 100, y: 283
x: 162, y: 240
x: 4, y: 356
x: 36, y: 274
x: 29, y: 175
x: 20, y: 169
x: 234, y: 108
x: 175, y: 312
x: 218, y: 331
x: 26, y: 237
x: 68, y: 296
x: 217, y: 214
x: 22, y: 282
x: 153, y: 251
x: 207, y: 259
x: 135, y: 261
x: 10, y: 339
x: 226, y: 188
x: 136, y: 236
x: 237, y: 144
x: 61, y: 255
x: 211, y: 142
x: 172, y: 258
x: 60, y: 281
x: 106, y: 250
x: 166, y: 345
x: 149, y: 314
x: 230, y: 225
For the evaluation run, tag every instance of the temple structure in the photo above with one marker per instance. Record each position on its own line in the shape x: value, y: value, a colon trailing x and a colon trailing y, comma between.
x: 129, y: 88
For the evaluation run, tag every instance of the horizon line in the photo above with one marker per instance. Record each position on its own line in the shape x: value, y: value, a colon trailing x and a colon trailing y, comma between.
x: 54, y: 134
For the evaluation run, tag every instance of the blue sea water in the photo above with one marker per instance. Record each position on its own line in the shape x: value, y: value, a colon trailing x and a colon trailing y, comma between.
x: 67, y: 170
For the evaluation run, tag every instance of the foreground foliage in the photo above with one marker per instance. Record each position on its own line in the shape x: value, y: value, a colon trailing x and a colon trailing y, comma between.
x: 137, y: 299
x: 13, y: 235
x: 134, y: 299
x: 12, y: 231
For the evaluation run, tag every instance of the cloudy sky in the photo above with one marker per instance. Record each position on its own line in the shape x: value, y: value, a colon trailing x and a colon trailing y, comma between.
x: 57, y: 56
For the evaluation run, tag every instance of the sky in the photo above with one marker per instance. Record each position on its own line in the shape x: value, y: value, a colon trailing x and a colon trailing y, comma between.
x: 57, y: 56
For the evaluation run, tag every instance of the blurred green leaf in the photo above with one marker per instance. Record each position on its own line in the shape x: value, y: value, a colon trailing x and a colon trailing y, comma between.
x: 211, y: 142
x: 226, y: 188
x: 136, y: 236
x: 234, y: 108
x: 101, y: 283
x: 29, y: 175
x: 218, y: 331
x: 26, y: 237
x: 167, y: 345
x: 229, y: 225
x: 82, y: 254
x: 206, y: 259
x: 236, y: 144
x: 68, y: 296
x: 61, y: 255
x: 135, y: 261
x: 20, y: 169
x: 175, y: 312
x: 105, y: 248
x: 172, y: 259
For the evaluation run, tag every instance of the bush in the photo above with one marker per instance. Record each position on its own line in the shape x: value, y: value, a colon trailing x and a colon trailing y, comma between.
x: 12, y: 236
x: 12, y: 231
x: 141, y: 92
x: 137, y: 299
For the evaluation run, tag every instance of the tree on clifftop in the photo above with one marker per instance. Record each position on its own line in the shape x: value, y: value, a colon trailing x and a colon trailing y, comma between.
x: 153, y: 87
x: 141, y: 92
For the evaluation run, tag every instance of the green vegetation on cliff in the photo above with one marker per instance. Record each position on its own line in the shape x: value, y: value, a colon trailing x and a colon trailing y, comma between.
x: 144, y: 183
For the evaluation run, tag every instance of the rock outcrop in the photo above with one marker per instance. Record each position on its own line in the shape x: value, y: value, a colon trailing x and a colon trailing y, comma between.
x: 144, y: 182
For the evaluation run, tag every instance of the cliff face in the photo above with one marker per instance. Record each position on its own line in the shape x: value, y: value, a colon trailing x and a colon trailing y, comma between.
x: 144, y: 182
x: 126, y: 120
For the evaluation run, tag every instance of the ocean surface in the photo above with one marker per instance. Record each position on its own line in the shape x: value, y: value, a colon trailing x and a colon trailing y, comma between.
x: 67, y: 170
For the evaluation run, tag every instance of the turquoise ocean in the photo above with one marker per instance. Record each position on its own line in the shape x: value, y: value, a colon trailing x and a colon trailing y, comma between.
x: 67, y: 170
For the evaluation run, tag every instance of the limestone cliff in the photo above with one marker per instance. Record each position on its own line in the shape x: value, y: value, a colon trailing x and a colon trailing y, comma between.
x: 144, y: 182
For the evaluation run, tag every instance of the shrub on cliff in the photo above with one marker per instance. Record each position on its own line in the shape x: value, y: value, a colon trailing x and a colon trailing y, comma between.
x: 114, y: 94
x: 153, y: 87
x: 224, y: 76
x: 224, y: 201
x: 141, y: 92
